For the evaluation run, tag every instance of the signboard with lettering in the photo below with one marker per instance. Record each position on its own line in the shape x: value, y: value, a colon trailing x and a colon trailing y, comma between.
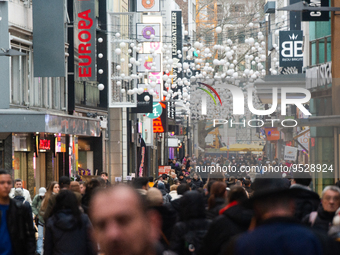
x: 319, y: 76
x: 142, y: 105
x: 160, y: 124
x: 85, y: 40
x: 290, y: 153
x: 177, y: 43
x: 316, y: 15
x: 291, y: 49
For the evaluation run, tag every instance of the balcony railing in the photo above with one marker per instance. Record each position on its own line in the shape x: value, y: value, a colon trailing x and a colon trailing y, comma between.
x: 320, y: 50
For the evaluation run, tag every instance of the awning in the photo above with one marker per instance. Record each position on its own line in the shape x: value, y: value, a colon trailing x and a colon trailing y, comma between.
x: 320, y: 121
x: 28, y: 121
x: 264, y: 87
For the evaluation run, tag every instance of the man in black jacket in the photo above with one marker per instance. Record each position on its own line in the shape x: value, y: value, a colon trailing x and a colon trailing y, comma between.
x: 16, y: 222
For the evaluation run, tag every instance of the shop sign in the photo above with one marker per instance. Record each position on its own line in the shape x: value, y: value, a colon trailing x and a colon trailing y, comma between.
x: 291, y: 49
x: 164, y: 170
x: 319, y: 76
x: 85, y: 39
x: 272, y: 134
x: 316, y: 15
x: 304, y: 140
x: 177, y: 43
x: 160, y: 124
x: 156, y: 111
x: 44, y: 144
x: 290, y: 153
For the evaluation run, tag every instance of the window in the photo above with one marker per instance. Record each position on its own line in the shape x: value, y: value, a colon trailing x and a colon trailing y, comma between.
x: 19, y: 79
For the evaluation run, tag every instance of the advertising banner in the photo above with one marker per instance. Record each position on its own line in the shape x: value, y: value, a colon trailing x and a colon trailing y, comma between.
x: 291, y: 49
x: 85, y: 40
x: 290, y: 153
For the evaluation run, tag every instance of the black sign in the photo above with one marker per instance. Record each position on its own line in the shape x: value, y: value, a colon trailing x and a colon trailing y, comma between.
x: 171, y: 110
x: 291, y: 49
x: 142, y: 105
x: 316, y: 15
x: 177, y: 44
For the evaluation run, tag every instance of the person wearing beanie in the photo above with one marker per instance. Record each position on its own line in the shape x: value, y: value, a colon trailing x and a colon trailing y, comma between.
x: 39, y: 221
x: 166, y: 196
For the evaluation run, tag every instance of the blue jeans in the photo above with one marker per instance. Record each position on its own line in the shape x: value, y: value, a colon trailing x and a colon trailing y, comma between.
x: 40, y: 239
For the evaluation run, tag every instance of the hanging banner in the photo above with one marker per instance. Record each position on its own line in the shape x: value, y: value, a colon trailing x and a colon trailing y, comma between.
x: 177, y: 43
x: 148, y: 32
x: 141, y: 158
x: 148, y: 6
x: 316, y: 15
x: 142, y: 105
x: 85, y: 40
x: 291, y: 49
x: 290, y: 153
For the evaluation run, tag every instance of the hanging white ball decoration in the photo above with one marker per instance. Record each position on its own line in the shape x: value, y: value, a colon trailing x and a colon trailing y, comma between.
x: 218, y: 30
x: 100, y: 71
x: 122, y: 91
x: 101, y: 86
x: 100, y: 55
x: 117, y: 35
x: 146, y: 98
x: 118, y: 51
x: 122, y: 44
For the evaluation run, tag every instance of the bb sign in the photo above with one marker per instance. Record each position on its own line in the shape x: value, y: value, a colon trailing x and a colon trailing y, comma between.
x: 291, y: 48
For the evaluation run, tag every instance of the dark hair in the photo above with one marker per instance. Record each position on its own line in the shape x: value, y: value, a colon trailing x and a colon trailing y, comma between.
x: 48, y: 194
x: 17, y: 180
x: 247, y: 182
x: 217, y: 190
x: 236, y: 193
x: 182, y: 188
x: 302, y: 178
x: 150, y: 179
x: 64, y: 182
x: 105, y: 173
x: 139, y: 182
x: 92, y: 185
x: 101, y: 181
x: 210, y: 183
x: 3, y: 171
x: 66, y: 199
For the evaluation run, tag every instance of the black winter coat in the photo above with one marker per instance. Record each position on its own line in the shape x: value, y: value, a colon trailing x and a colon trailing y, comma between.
x: 20, y: 227
x: 233, y: 221
x: 306, y: 201
x: 323, y: 221
x: 198, y: 183
x: 212, y: 213
x: 64, y: 236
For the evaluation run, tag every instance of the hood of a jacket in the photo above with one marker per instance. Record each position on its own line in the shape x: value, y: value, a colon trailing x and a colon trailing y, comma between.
x: 192, y: 206
x: 19, y: 198
x: 64, y: 220
x: 239, y: 215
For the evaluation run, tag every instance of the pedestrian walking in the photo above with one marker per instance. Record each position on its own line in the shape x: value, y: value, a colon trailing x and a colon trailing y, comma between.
x: 39, y: 221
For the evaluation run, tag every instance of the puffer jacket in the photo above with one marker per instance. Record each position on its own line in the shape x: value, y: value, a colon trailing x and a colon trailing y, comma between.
x: 36, y: 205
x: 20, y: 227
x: 65, y: 236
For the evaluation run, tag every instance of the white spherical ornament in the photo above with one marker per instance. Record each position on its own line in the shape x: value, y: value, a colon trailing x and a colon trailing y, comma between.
x: 118, y: 51
x: 119, y: 83
x: 146, y: 98
x: 100, y: 55
x: 185, y: 49
x: 100, y: 71
x: 250, y: 24
x: 277, y: 63
x: 185, y: 66
x: 118, y: 67
x: 253, y: 62
x: 101, y: 86
x: 274, y: 59
x: 137, y: 63
x: 246, y: 41
x: 251, y: 41
x: 196, y: 45
x: 246, y: 71
x: 235, y: 75
x: 216, y: 62
x: 122, y: 60
x: 122, y: 91
x: 129, y: 65
x: 140, y: 91
x: 186, y: 32
x: 218, y: 30
x: 152, y: 36
x: 117, y: 35
x: 229, y: 41
x: 151, y: 91
x: 122, y: 44
x: 180, y: 56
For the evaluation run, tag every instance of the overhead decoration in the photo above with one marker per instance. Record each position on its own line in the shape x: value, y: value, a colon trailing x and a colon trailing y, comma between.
x: 148, y: 32
x: 149, y: 63
x: 148, y: 6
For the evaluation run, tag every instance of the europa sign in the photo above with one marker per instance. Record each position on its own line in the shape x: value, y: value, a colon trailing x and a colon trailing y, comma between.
x: 291, y: 49
x: 85, y: 40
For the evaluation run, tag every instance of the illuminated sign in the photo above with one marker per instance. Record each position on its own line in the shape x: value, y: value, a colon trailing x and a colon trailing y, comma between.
x: 159, y: 123
x: 44, y: 144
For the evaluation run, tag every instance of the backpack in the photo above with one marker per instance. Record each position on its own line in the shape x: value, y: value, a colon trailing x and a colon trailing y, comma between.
x: 193, y: 240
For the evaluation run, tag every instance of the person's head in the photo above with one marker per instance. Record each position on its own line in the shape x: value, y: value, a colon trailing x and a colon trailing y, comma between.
x: 191, y: 206
x: 125, y: 226
x: 173, y: 187
x: 161, y: 186
x: 82, y: 187
x: 64, y: 182
x: 42, y: 192
x: 174, y: 161
x: 53, y: 188
x: 17, y: 183
x: 173, y: 175
x: 180, y: 176
x: 104, y: 175
x: 91, y: 186
x: 67, y: 200
x: 18, y: 192
x: 195, y: 176
x: 182, y: 188
x: 236, y: 193
x: 238, y: 183
x: 188, y: 179
x: 232, y: 179
x: 218, y: 190
x: 302, y: 178
x: 150, y: 179
x: 141, y: 183
x: 154, y: 197
x: 330, y: 198
x: 247, y: 183
x: 164, y: 176
x: 75, y: 186
x: 5, y: 185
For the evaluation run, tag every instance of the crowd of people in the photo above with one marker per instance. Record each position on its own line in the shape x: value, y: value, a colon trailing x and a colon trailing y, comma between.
x: 171, y: 214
